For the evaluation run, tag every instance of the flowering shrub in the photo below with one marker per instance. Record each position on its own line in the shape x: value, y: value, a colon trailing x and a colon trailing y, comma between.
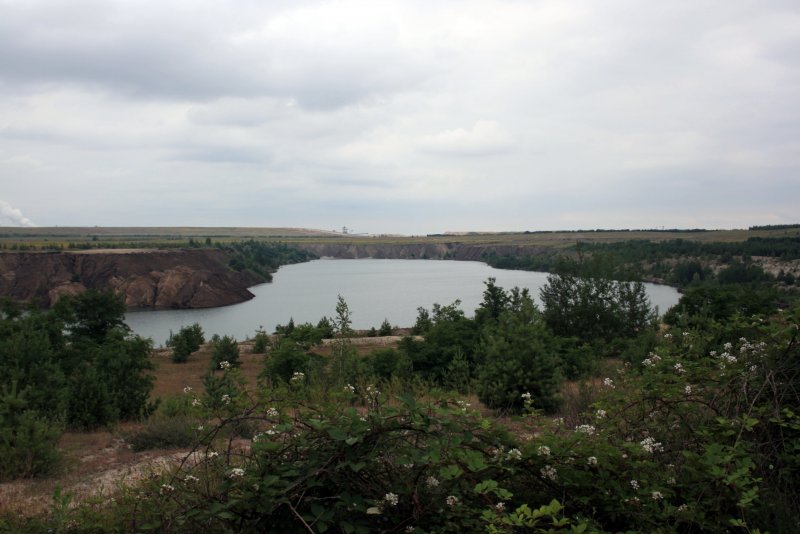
x: 687, y: 441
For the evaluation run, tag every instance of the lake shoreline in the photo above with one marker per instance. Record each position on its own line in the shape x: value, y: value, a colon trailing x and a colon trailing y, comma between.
x: 374, y: 289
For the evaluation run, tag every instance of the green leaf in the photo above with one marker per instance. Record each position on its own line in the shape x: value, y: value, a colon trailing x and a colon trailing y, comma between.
x: 357, y: 466
x: 337, y: 434
x: 485, y: 487
x: 450, y: 472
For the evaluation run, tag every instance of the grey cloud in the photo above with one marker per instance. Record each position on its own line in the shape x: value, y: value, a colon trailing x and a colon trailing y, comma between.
x: 417, y: 116
x: 220, y: 154
x: 142, y: 51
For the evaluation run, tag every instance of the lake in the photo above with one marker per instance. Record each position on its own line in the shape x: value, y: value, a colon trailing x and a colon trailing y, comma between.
x: 373, y: 289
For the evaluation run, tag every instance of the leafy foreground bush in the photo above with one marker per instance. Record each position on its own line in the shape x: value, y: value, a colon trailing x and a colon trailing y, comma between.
x: 406, y: 468
x: 701, y: 436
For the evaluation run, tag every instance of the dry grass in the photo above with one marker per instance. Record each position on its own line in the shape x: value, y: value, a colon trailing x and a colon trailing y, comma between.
x: 171, y: 377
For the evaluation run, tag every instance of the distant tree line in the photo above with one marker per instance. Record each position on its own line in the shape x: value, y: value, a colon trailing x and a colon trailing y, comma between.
x: 678, y: 261
x: 263, y: 258
x: 775, y: 227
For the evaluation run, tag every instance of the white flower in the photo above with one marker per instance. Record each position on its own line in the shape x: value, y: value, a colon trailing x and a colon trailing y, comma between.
x: 226, y: 399
x: 500, y: 507
x: 514, y: 454
x: 591, y: 460
x: 200, y: 428
x: 349, y: 388
x: 224, y: 365
x: 526, y: 396
x: 601, y: 414
x: 257, y: 437
x: 236, y: 472
x: 431, y: 482
x: 187, y: 389
x: 391, y: 499
x: 679, y: 368
x: 409, y: 529
x: 191, y: 478
x: 558, y: 421
x: 297, y: 376
x: 651, y: 445
x: 272, y: 412
x: 651, y: 360
x: 196, y: 403
x: 549, y: 472
x: 607, y: 382
x: 166, y: 488
x: 656, y: 495
x: 635, y: 484
x: 682, y: 508
x: 585, y: 429
x: 212, y: 454
x: 671, y: 481
x: 543, y: 450
x: 687, y: 389
x: 451, y: 500
x: 667, y: 336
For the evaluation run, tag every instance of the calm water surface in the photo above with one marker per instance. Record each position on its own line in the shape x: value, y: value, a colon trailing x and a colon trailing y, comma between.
x: 373, y: 289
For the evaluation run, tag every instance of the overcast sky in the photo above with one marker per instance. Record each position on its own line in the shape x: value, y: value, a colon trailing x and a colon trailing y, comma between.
x: 400, y: 117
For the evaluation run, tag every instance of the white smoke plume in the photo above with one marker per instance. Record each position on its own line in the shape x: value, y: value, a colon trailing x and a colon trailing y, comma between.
x: 11, y: 216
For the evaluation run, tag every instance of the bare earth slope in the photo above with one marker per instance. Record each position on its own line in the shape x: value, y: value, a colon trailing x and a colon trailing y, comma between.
x: 147, y: 278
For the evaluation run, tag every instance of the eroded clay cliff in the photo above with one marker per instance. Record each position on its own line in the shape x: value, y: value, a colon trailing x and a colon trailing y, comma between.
x: 146, y: 278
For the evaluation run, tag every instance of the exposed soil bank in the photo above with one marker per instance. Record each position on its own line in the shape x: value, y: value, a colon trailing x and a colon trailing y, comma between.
x: 185, y: 278
x: 146, y: 278
x: 415, y: 251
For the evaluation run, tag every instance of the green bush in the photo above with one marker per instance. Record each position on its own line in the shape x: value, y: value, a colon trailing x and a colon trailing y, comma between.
x: 226, y: 349
x: 595, y: 308
x: 386, y: 363
x: 519, y: 356
x: 385, y: 329
x: 180, y: 349
x: 285, y: 359
x: 261, y: 342
x: 27, y: 440
x: 186, y: 341
x: 164, y: 433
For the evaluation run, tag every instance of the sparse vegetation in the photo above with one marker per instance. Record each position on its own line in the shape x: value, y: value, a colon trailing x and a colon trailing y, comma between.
x: 684, y: 426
